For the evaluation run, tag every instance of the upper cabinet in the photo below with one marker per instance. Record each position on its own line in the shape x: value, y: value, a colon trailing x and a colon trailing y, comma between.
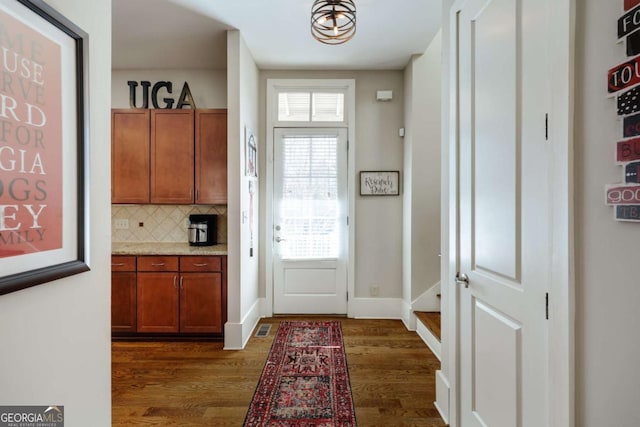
x: 169, y: 156
x: 130, y: 156
x: 172, y: 156
x: 211, y: 157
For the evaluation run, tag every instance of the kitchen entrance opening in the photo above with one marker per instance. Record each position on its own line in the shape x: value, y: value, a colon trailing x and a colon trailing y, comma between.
x: 309, y: 196
x: 310, y: 221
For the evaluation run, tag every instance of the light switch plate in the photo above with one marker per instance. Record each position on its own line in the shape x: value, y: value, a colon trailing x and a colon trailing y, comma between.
x: 121, y: 224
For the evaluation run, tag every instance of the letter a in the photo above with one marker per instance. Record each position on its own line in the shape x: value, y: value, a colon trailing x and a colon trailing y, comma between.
x: 186, y: 98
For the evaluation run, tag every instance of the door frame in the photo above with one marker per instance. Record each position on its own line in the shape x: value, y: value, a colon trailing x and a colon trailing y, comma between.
x: 562, y: 286
x: 274, y: 86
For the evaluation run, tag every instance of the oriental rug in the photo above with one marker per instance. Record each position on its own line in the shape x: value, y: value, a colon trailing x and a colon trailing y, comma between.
x: 305, y: 381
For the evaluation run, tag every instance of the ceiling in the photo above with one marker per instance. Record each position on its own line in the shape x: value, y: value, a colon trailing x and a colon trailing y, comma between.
x: 189, y: 34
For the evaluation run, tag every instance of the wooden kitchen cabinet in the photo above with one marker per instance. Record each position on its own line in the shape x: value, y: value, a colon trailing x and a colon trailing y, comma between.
x: 211, y: 156
x: 201, y: 294
x: 169, y: 295
x: 169, y: 156
x: 157, y: 294
x: 172, y: 161
x: 123, y: 294
x: 130, y: 139
x: 157, y: 302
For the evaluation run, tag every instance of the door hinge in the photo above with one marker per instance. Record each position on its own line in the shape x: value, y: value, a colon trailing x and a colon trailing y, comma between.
x: 546, y: 304
x: 347, y: 295
x: 546, y: 126
x: 347, y: 145
x: 347, y: 220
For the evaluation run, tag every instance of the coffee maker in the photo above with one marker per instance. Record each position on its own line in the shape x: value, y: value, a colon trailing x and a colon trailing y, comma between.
x: 203, y: 230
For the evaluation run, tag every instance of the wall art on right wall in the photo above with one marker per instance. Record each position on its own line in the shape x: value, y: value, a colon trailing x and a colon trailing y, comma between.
x: 623, y: 81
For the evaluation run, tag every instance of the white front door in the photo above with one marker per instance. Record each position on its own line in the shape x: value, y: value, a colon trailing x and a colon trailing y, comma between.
x: 505, y: 212
x: 310, y: 221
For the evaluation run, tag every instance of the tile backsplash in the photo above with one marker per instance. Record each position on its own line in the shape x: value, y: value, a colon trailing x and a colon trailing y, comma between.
x: 161, y: 223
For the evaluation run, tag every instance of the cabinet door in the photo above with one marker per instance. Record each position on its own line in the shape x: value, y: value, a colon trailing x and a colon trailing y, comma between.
x: 130, y: 156
x: 123, y: 301
x: 172, y: 149
x: 158, y: 302
x: 201, y: 302
x: 211, y: 156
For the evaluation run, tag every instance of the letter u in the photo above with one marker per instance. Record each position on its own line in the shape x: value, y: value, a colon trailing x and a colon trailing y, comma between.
x: 6, y: 64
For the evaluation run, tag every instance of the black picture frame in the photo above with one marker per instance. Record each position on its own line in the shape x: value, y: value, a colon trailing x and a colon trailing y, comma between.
x: 379, y: 183
x: 52, y: 36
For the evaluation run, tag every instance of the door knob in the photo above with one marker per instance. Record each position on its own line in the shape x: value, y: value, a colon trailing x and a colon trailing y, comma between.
x: 462, y: 279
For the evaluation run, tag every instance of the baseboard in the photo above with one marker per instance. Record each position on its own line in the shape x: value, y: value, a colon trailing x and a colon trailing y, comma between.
x: 376, y: 308
x: 428, y: 301
x: 442, y: 396
x: 429, y: 339
x: 236, y: 335
x: 408, y: 317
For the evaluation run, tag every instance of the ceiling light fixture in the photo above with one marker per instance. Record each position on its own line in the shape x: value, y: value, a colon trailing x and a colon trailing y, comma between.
x: 333, y: 21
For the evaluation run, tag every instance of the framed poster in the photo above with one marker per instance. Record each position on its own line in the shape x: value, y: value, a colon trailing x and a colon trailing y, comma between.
x: 43, y: 138
x: 250, y: 154
x: 379, y: 183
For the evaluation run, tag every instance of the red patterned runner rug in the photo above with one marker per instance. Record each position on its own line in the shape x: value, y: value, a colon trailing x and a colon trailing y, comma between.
x: 305, y: 381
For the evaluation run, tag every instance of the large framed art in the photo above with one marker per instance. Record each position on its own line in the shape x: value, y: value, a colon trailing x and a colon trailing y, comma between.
x: 43, y: 145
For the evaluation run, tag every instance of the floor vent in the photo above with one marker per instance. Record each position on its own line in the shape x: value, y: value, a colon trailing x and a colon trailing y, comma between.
x: 263, y: 330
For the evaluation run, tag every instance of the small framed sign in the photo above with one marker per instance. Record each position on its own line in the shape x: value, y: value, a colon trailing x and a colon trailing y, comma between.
x: 379, y: 183
x: 250, y: 154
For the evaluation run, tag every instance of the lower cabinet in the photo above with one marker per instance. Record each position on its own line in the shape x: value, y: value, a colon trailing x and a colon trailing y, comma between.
x: 158, y: 302
x: 174, y: 295
x: 123, y: 294
x: 200, y: 289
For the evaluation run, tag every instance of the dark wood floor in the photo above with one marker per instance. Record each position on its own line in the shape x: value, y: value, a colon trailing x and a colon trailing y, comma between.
x: 392, y: 376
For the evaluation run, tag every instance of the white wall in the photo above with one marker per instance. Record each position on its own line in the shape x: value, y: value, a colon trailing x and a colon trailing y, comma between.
x: 56, y: 338
x: 378, y: 220
x: 208, y: 87
x: 421, y: 211
x: 243, y: 300
x: 607, y: 282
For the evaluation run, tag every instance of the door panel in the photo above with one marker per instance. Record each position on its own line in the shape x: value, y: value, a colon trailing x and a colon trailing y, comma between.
x: 504, y: 212
x: 310, y: 281
x: 310, y: 230
x: 495, y: 138
x: 496, y: 353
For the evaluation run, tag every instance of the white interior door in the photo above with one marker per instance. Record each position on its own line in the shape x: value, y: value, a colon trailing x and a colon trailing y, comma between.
x: 505, y: 212
x: 310, y: 221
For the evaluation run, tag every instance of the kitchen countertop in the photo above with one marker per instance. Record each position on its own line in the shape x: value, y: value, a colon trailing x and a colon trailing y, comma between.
x: 155, y: 248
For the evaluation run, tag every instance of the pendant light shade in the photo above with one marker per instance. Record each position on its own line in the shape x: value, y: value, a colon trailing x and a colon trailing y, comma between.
x: 333, y: 21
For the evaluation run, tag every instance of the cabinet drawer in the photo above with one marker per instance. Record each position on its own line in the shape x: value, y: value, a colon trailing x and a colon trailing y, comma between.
x: 123, y: 263
x: 200, y: 263
x: 157, y: 263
